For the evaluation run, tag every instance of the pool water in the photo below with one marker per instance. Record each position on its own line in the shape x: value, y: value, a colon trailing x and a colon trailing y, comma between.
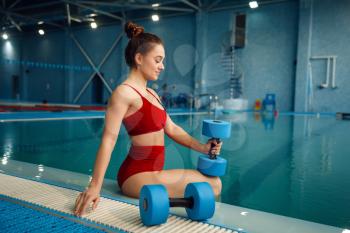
x: 296, y: 166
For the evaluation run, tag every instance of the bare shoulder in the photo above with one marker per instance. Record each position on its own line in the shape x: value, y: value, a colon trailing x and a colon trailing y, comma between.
x: 122, y: 94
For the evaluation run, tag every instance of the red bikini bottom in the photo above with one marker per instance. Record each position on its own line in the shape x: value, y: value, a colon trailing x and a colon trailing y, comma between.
x: 141, y: 159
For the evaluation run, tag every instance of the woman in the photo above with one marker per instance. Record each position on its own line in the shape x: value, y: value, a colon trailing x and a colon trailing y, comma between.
x: 145, y: 119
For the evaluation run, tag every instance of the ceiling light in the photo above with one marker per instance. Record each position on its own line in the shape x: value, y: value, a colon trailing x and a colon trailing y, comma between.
x: 41, y: 22
x: 93, y: 25
x: 5, y: 36
x: 155, y: 18
x: 253, y: 4
x: 41, y: 32
x: 92, y: 15
x: 155, y: 5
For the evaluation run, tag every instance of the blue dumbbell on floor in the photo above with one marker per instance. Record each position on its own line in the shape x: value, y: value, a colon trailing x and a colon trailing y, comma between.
x: 154, y: 203
x: 213, y: 165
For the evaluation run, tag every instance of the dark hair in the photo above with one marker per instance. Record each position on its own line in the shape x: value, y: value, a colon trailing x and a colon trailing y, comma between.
x: 139, y: 42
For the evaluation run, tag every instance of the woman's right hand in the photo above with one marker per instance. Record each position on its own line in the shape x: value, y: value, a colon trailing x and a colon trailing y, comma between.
x: 84, y: 200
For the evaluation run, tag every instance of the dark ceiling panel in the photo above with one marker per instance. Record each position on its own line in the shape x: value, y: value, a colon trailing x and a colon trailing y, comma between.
x: 25, y: 14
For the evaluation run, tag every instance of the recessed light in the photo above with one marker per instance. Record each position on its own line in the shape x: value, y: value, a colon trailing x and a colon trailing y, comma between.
x: 93, y: 25
x: 155, y: 18
x: 253, y: 4
x: 5, y: 36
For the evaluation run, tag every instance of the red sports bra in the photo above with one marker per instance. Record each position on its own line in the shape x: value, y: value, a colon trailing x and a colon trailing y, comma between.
x: 146, y: 119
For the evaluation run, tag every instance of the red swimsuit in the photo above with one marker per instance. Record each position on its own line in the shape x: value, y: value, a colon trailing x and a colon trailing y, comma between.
x: 148, y: 118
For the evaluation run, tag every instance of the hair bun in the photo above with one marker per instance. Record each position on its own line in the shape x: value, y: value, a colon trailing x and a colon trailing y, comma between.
x: 133, y: 30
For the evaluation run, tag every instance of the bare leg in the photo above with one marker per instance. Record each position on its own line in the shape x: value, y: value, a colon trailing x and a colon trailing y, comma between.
x: 174, y: 180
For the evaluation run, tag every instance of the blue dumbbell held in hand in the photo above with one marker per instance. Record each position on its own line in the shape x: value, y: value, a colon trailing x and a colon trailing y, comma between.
x: 154, y: 203
x: 213, y: 165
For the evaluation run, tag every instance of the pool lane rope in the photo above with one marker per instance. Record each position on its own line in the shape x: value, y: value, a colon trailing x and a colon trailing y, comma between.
x: 110, y: 213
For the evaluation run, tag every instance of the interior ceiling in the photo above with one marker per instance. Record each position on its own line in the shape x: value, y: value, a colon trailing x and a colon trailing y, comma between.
x: 20, y: 16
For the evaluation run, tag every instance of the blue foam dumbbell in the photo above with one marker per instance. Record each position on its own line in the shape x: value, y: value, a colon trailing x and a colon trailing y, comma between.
x: 213, y: 165
x: 154, y: 203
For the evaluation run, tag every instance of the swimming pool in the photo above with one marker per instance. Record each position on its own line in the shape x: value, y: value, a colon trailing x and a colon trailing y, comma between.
x: 291, y: 165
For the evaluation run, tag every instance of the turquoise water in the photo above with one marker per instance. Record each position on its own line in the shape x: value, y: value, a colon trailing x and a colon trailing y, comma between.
x: 292, y: 166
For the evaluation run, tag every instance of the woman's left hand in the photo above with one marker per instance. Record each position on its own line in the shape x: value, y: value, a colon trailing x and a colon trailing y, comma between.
x: 215, y: 150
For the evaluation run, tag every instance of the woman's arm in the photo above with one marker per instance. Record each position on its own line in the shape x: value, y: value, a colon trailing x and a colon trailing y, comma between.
x: 180, y: 136
x: 116, y: 109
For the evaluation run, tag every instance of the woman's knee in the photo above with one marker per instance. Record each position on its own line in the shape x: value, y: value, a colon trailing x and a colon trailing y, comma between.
x: 132, y: 186
x: 133, y: 192
x: 216, y: 184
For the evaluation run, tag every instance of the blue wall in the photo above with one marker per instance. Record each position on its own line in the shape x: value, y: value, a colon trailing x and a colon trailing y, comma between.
x: 266, y: 61
x: 9, y: 51
x: 96, y: 44
x: 280, y: 39
x: 324, y: 31
x: 44, y: 84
